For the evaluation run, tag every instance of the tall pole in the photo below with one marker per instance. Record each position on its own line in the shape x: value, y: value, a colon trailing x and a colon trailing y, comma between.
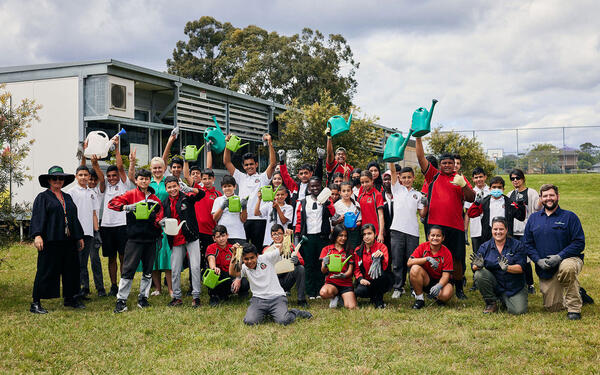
x: 517, y: 131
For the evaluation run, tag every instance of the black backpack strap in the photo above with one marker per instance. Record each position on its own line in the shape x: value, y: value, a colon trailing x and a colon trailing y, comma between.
x: 429, y: 190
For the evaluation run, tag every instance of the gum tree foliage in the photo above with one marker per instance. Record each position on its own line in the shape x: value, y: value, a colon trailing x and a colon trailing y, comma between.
x: 542, y: 158
x: 266, y: 64
x: 304, y: 130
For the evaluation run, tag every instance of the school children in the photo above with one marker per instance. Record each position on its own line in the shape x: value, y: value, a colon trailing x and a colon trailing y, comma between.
x: 275, y: 212
x: 142, y: 236
x: 219, y: 255
x: 203, y: 209
x: 371, y: 204
x: 371, y: 259
x: 348, y: 204
x: 233, y: 221
x: 338, y: 283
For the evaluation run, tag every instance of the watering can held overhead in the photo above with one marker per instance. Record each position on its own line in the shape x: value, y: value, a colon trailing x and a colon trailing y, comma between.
x: 216, y: 136
x: 99, y: 144
x: 234, y: 143
x: 421, y: 121
x: 350, y: 220
x: 267, y: 193
x: 192, y: 152
x: 394, y: 147
x: 335, y: 262
x: 211, y: 279
x: 339, y: 125
x: 142, y: 212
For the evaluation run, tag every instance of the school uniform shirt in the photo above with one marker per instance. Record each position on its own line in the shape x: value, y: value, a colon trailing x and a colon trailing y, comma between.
x: 178, y: 239
x: 263, y: 279
x: 497, y: 208
x: 277, y: 248
x: 370, y: 201
x: 203, y: 209
x: 531, y: 201
x: 341, y: 209
x: 112, y: 218
x: 266, y: 210
x: 248, y: 187
x: 231, y: 220
x: 506, y: 283
x: 446, y: 201
x: 330, y: 249
x: 336, y: 167
x: 475, y: 222
x: 86, y: 202
x: 443, y: 256
x: 406, y: 203
x: 222, y: 256
x: 363, y: 261
x: 314, y: 216
x: 99, y: 201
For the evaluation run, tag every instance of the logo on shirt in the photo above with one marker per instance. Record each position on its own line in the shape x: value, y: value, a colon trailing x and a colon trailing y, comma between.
x: 415, y: 196
x: 369, y: 200
x: 263, y: 266
x: 227, y: 256
x: 559, y: 223
x: 257, y: 180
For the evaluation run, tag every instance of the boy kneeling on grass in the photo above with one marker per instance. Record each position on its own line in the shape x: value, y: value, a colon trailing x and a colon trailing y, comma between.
x: 220, y: 255
x: 268, y: 297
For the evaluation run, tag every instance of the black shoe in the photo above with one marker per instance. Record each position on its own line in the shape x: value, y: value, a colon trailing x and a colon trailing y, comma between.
x: 143, y: 302
x: 585, y: 297
x: 303, y: 303
x: 303, y: 314
x: 573, y: 316
x: 175, y: 302
x: 121, y: 306
x: 83, y: 294
x: 74, y: 303
x: 380, y: 305
x: 440, y: 303
x: 419, y: 304
x: 196, y: 303
x: 114, y: 289
x: 531, y: 289
x: 189, y: 293
x: 102, y: 293
x: 460, y: 294
x: 36, y: 308
x: 213, y: 301
x: 464, y: 281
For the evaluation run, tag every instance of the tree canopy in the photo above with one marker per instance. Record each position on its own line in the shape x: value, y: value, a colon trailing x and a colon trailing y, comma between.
x: 266, y: 64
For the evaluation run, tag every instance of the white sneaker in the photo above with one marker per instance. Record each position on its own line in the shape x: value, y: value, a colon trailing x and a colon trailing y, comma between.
x: 396, y: 294
x: 155, y: 293
x: 334, y: 302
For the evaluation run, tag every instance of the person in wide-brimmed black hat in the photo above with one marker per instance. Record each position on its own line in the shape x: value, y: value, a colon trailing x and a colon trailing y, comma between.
x: 58, y: 236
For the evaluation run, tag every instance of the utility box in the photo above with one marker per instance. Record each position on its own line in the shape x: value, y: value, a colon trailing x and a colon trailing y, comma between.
x: 109, y: 95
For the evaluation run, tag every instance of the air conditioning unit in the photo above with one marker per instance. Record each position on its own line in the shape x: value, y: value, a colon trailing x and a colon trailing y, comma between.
x: 120, y: 97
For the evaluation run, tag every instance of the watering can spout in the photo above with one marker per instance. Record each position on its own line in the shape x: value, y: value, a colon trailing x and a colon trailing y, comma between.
x: 216, y: 123
x: 180, y: 225
x: 431, y: 111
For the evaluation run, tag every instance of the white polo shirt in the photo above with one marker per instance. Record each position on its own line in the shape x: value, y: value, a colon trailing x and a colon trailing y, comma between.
x: 248, y: 187
x: 496, y: 208
x: 263, y: 280
x: 475, y: 222
x: 341, y: 208
x: 230, y: 220
x: 266, y: 210
x: 86, y: 202
x: 314, y: 216
x: 406, y: 203
x: 112, y: 218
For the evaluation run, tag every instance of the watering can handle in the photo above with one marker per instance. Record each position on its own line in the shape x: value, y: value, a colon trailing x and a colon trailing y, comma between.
x: 153, y: 207
x: 205, y: 274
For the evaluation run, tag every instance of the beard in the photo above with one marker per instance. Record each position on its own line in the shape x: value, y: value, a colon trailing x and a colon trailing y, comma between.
x: 550, y: 205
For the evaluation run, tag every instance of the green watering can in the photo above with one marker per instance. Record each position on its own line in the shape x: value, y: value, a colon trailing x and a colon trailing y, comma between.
x: 338, y: 125
x: 421, y: 121
x: 211, y: 279
x: 234, y: 204
x: 216, y: 136
x: 192, y: 152
x: 142, y: 212
x: 335, y: 262
x: 267, y: 193
x: 395, y: 146
x: 233, y: 144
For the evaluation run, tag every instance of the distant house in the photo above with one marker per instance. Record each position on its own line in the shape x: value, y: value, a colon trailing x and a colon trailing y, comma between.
x: 567, y: 159
x: 595, y: 168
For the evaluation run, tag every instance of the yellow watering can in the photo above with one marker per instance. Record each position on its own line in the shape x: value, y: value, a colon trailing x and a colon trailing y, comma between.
x: 233, y: 144
x: 211, y: 279
x: 192, y: 152
x: 335, y: 262
x: 142, y: 212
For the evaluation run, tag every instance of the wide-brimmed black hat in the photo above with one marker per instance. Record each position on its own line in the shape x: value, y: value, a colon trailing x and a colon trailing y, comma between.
x: 55, y: 171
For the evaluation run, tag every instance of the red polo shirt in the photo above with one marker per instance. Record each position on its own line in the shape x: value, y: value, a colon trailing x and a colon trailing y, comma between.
x: 222, y: 256
x: 369, y: 202
x: 443, y: 256
x: 336, y: 167
x: 367, y: 260
x: 330, y: 249
x: 446, y: 201
x: 203, y: 209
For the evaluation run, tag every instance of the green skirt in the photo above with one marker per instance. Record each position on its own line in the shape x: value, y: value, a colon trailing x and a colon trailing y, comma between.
x: 163, y: 256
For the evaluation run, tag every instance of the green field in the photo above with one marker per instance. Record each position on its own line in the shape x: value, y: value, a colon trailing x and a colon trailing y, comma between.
x: 457, y: 339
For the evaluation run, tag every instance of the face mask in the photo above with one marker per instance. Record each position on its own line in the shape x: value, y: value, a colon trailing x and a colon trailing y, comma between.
x: 356, y: 181
x: 496, y: 193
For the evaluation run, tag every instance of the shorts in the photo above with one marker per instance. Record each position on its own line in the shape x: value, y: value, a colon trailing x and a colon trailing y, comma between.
x: 342, y: 289
x: 454, y: 240
x: 114, y: 240
x: 432, y: 282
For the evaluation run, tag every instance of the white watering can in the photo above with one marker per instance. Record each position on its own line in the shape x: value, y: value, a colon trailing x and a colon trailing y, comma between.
x: 99, y: 144
x: 171, y: 227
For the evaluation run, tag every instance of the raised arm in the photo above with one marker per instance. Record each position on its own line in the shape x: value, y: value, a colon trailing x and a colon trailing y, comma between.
x: 227, y: 158
x: 167, y: 151
x: 330, y: 155
x: 132, y: 161
x: 119, y: 160
x: 209, y: 156
x: 423, y: 163
x: 272, y: 157
x: 186, y: 173
x: 393, y: 173
x: 98, y: 170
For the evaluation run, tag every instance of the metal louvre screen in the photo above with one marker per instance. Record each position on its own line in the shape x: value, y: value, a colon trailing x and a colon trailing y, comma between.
x: 194, y: 112
x: 248, y: 123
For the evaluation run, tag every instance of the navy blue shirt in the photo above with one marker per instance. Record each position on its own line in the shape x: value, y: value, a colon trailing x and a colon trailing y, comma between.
x: 560, y: 233
x: 506, y: 283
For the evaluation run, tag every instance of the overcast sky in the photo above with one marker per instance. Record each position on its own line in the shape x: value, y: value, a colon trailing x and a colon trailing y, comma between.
x: 491, y: 64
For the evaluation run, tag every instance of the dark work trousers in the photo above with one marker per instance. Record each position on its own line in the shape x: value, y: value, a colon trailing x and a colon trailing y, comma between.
x: 476, y: 242
x: 90, y: 252
x: 402, y: 248
x: 205, y: 241
x: 527, y: 269
x: 288, y: 279
x: 454, y: 240
x: 223, y: 290
x: 310, y: 251
x: 58, y: 258
x: 375, y: 291
x: 255, y: 232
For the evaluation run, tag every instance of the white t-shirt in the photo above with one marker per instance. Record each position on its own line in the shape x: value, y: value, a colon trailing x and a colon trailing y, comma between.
x: 341, y: 208
x: 87, y: 202
x: 532, y: 201
x: 263, y: 280
x: 248, y: 187
x: 112, y: 218
x: 231, y: 220
x: 266, y: 210
x: 406, y: 204
x: 475, y: 222
x: 496, y: 208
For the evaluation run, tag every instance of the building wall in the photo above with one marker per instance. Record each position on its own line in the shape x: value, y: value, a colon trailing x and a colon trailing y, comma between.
x: 56, y: 135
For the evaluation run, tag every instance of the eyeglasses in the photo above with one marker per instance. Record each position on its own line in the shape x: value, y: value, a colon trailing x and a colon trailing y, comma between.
x: 276, y: 234
x: 57, y: 178
x: 515, y: 178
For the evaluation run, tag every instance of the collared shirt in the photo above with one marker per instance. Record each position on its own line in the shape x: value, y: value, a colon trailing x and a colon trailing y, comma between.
x: 496, y: 208
x: 406, y: 204
x: 266, y: 210
x: 203, y: 209
x: 159, y: 188
x: 475, y: 222
x: 446, y: 200
x: 560, y: 233
x: 248, y: 187
x: 86, y: 202
x: 231, y: 220
x: 506, y: 283
x: 443, y: 256
x: 112, y: 218
x: 314, y: 215
x: 263, y: 279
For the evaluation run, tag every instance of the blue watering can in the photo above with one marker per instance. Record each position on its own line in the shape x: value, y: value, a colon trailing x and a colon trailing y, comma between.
x: 395, y: 146
x: 216, y: 136
x: 421, y: 121
x: 339, y: 125
x: 350, y: 219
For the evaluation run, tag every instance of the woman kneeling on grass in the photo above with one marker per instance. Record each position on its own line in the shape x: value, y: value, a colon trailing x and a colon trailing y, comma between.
x: 371, y: 259
x: 498, y: 267
x: 338, y: 283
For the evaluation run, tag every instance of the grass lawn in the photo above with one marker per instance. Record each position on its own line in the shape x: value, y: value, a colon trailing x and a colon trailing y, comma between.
x: 446, y: 340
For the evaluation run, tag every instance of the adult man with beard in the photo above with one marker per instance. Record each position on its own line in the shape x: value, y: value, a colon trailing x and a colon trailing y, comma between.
x: 555, y: 242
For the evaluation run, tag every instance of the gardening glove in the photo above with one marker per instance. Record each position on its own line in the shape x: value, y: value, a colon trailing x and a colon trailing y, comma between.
x: 129, y: 207
x: 97, y: 240
x: 244, y: 203
x: 321, y: 153
x: 459, y: 180
x: 520, y: 198
x: 175, y: 132
x: 434, y: 262
x: 286, y: 247
x: 225, y: 204
x: 542, y: 264
x: 478, y: 197
x: 326, y: 261
x: 503, y: 262
x: 335, y: 218
x: 209, y: 145
x: 281, y: 154
x: 553, y: 260
x: 337, y: 276
x: 477, y: 260
x: 328, y: 132
x: 435, y: 290
x: 424, y: 201
x: 376, y: 271
x: 162, y: 222
x: 295, y: 260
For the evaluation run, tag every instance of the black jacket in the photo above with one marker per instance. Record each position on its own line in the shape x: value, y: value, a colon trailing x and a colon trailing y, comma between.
x: 185, y: 211
x: 512, y: 210
x: 48, y: 218
x: 325, y: 216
